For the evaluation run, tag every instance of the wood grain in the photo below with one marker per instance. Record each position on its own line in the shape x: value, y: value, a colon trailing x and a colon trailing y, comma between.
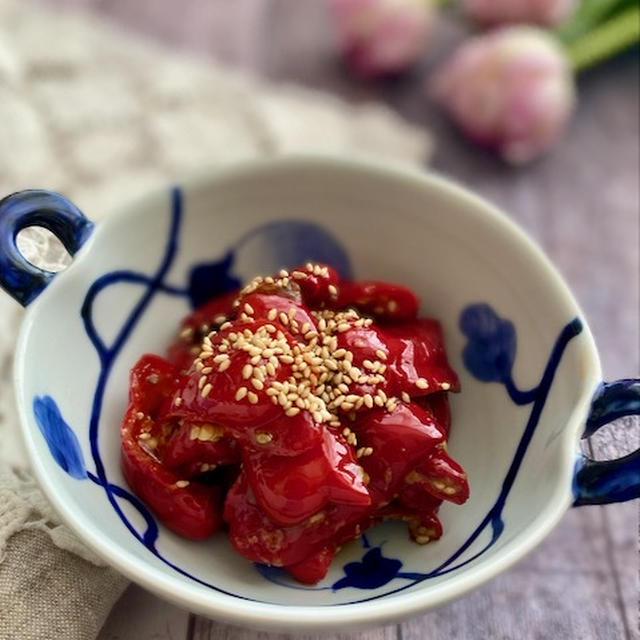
x: 581, y: 203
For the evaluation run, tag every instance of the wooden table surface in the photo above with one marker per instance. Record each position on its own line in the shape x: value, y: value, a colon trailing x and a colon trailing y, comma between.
x: 581, y: 203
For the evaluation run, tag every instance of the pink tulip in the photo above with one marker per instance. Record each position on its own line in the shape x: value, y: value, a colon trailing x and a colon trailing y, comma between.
x: 382, y: 37
x: 542, y: 12
x: 511, y: 89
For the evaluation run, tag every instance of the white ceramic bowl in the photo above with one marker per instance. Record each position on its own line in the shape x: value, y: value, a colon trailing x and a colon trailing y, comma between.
x: 516, y: 424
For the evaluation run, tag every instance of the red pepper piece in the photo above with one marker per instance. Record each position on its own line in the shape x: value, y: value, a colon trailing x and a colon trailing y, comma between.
x: 317, y: 285
x: 416, y: 498
x: 438, y: 405
x: 260, y: 424
x: 416, y: 351
x: 441, y: 476
x: 398, y: 440
x: 385, y: 301
x: 194, y: 445
x: 256, y: 537
x: 315, y: 567
x: 291, y: 489
x: 185, y: 347
x: 152, y: 383
x: 192, y: 510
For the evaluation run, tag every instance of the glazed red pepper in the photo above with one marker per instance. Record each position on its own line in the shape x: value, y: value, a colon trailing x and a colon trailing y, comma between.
x: 189, y: 509
x: 384, y: 301
x: 322, y: 403
x: 290, y: 489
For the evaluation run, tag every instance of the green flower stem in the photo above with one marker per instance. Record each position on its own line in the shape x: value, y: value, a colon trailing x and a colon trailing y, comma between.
x: 605, y: 40
x: 590, y: 13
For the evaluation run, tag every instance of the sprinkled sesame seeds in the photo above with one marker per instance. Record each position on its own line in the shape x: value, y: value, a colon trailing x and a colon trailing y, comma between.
x: 421, y: 383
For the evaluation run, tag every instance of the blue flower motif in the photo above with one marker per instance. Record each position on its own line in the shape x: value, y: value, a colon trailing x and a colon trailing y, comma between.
x: 272, y: 246
x: 491, y: 346
x: 373, y: 571
x: 207, y: 281
x: 61, y: 440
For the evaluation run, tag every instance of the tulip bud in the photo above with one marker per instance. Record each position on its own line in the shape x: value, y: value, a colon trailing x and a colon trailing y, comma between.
x: 542, y: 12
x: 511, y: 90
x: 382, y: 37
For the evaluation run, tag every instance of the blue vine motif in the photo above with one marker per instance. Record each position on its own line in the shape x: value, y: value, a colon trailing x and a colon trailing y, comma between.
x: 489, y: 356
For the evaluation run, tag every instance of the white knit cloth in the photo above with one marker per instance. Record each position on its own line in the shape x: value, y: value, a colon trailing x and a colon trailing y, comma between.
x: 102, y: 118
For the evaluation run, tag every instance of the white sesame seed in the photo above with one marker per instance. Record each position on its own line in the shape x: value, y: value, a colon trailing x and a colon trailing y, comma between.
x: 202, y: 381
x: 263, y: 437
x: 294, y: 411
x: 445, y: 386
x: 181, y: 484
x: 241, y: 393
x: 406, y: 397
x: 224, y: 365
x: 332, y: 290
x: 207, y: 390
x: 253, y: 398
x: 257, y: 384
x: 247, y: 371
x: 421, y: 383
x: 248, y: 309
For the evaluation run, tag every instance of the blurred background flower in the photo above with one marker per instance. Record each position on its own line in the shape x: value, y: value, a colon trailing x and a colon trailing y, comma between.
x: 542, y: 12
x: 382, y: 37
x: 511, y: 90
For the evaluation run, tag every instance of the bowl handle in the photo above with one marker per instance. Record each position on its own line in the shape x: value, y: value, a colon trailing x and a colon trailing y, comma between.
x: 36, y: 207
x: 605, y: 481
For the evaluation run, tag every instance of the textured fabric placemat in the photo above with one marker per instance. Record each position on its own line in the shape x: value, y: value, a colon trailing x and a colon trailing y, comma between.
x: 103, y: 117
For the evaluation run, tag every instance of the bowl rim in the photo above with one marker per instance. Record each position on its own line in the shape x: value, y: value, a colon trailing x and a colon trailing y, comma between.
x: 261, y: 615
